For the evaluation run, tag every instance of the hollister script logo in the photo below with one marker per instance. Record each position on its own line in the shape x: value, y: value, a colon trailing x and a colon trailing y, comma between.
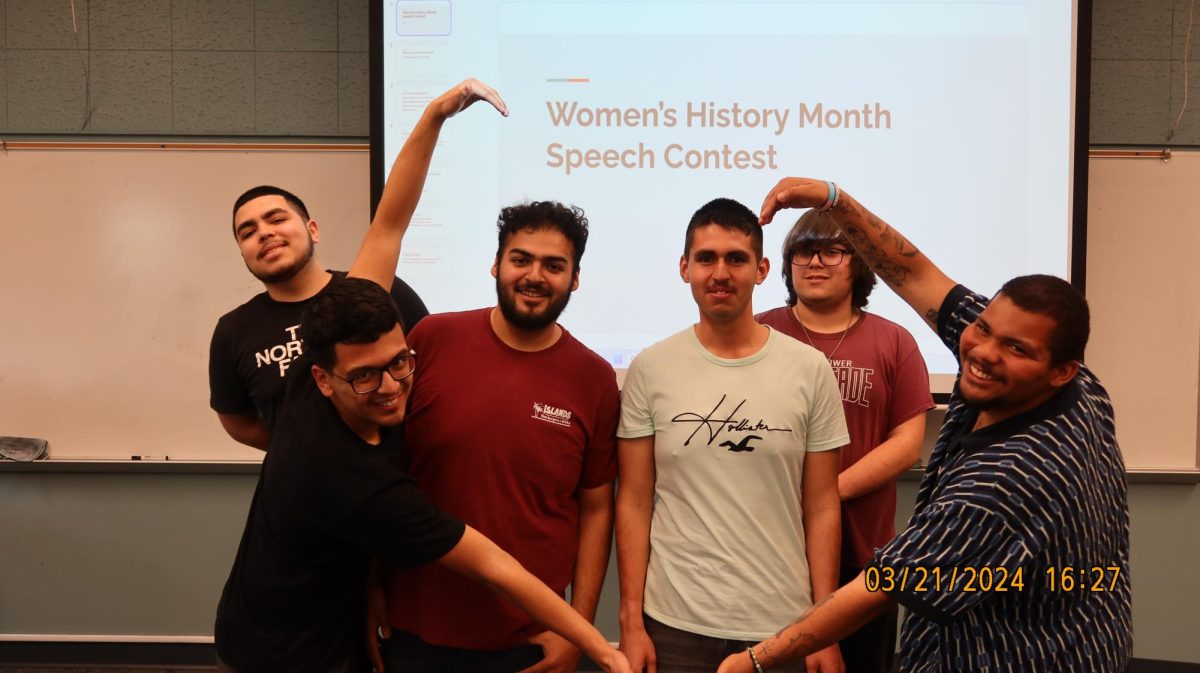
x: 551, y: 414
x: 718, y: 422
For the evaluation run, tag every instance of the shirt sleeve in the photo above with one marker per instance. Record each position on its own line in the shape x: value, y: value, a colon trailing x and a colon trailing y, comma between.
x: 826, y: 417
x: 637, y: 419
x: 399, y: 523
x: 600, y: 455
x: 412, y: 309
x: 980, y: 524
x: 959, y: 309
x: 227, y: 391
x: 910, y: 393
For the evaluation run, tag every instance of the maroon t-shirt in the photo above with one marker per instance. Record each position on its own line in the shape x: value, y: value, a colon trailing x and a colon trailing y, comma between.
x: 502, y: 439
x: 884, y: 382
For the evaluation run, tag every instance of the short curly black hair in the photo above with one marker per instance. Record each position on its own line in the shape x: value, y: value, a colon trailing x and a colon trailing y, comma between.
x: 542, y: 215
x: 347, y: 311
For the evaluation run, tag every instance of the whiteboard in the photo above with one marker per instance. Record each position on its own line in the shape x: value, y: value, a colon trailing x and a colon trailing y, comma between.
x: 115, y: 265
x: 1143, y: 284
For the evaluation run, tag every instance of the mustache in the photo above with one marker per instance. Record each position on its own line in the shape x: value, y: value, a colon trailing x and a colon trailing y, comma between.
x: 538, y: 287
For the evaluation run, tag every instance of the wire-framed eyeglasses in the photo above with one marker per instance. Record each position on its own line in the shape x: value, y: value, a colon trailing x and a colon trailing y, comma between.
x: 368, y: 379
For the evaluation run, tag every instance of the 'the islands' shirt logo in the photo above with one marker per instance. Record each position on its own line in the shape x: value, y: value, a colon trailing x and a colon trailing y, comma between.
x: 551, y: 414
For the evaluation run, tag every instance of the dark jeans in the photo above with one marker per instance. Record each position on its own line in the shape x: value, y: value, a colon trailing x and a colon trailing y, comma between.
x: 686, y: 652
x: 406, y: 653
x: 344, y: 667
x: 871, y: 649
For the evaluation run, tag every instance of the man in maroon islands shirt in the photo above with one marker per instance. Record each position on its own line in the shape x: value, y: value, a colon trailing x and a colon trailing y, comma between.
x: 885, y: 394
x: 511, y: 427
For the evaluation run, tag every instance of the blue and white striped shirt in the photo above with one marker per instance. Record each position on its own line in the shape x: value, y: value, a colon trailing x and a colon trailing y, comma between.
x: 1034, y: 504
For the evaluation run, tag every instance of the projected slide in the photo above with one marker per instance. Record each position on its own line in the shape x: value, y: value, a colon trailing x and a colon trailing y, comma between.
x: 951, y: 120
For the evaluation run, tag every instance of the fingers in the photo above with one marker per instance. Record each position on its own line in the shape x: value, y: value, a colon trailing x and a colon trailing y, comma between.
x: 472, y: 90
x: 791, y: 193
x: 772, y: 204
x: 374, y: 652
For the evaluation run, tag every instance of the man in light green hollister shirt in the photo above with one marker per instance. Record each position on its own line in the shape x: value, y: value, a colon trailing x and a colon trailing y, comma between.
x: 728, y: 519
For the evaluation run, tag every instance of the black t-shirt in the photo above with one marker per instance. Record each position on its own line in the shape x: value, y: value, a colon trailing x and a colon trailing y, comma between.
x: 255, y: 344
x: 325, y: 502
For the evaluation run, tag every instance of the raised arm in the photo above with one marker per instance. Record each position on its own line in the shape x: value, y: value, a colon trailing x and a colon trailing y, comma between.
x: 893, y: 258
x: 380, y: 251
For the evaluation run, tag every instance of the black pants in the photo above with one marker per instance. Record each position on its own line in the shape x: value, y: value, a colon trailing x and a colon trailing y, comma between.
x: 408, y: 653
x: 681, y: 651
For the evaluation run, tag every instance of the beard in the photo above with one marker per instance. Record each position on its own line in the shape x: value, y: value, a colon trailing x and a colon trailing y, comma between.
x: 506, y: 299
x: 286, y: 273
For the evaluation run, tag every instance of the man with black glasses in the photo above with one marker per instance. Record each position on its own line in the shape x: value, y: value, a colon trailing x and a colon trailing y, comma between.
x: 885, y: 393
x: 332, y: 490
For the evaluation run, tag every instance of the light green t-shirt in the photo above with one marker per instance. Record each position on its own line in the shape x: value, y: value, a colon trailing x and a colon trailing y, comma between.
x: 727, y: 536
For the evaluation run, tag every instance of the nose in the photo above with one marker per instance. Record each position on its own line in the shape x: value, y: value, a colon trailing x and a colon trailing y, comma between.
x: 721, y: 269
x: 389, y: 386
x: 987, y: 350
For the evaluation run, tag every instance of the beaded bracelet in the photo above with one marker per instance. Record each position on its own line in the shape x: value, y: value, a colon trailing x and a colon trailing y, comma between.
x: 754, y: 659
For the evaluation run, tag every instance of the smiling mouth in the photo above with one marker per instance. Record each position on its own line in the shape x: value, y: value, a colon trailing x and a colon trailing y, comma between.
x: 532, y: 292
x: 271, y: 247
x: 388, y: 403
x: 980, y: 373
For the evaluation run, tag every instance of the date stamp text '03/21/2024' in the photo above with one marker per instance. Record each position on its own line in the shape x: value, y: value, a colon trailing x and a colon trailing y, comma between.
x: 998, y: 579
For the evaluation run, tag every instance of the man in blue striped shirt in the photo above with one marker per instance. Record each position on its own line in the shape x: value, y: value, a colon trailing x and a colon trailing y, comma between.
x: 1017, y: 557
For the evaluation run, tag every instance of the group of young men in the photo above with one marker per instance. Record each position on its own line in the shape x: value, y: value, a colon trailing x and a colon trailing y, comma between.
x: 757, y: 457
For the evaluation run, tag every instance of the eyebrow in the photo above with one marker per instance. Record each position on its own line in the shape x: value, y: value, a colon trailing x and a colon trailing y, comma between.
x: 1026, y: 345
x: 407, y: 352
x: 727, y: 253
x: 265, y: 216
x: 547, y: 258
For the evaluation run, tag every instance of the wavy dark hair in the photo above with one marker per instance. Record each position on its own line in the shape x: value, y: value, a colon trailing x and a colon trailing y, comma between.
x: 816, y: 230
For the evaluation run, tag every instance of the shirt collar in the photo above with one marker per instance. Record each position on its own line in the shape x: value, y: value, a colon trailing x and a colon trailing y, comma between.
x: 997, y: 433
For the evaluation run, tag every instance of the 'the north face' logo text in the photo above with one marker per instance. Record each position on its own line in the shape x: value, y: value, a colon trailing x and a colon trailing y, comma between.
x: 551, y: 414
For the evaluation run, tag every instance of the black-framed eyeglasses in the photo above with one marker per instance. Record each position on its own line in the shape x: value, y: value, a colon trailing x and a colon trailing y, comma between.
x: 368, y: 379
x: 828, y: 256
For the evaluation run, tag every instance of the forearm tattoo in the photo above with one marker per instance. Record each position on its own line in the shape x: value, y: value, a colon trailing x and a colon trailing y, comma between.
x: 931, y: 316
x: 808, y: 642
x: 886, y: 234
x: 884, y: 263
x: 892, y: 273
